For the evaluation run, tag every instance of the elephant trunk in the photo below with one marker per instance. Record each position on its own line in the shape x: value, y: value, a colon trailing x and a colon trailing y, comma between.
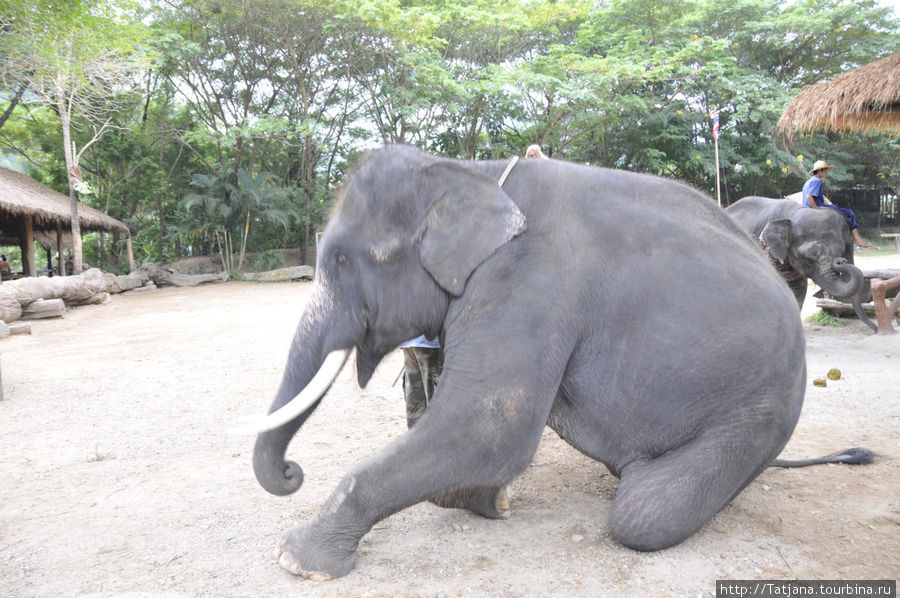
x: 273, y: 472
x: 314, y: 361
x: 839, y: 278
x: 843, y: 280
x: 276, y: 429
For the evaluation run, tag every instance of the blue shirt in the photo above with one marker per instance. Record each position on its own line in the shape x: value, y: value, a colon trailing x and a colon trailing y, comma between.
x: 813, y: 187
x: 421, y: 341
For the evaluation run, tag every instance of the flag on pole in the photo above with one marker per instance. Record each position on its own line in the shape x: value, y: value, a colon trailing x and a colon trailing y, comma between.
x: 715, y: 116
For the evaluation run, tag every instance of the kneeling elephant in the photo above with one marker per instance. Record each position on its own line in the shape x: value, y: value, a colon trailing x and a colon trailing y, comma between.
x: 554, y: 279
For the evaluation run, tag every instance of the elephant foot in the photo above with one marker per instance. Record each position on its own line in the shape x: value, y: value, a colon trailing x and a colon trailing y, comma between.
x: 492, y: 503
x: 305, y: 552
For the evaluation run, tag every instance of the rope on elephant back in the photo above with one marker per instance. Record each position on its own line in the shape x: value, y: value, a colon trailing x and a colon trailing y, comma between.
x: 509, y: 167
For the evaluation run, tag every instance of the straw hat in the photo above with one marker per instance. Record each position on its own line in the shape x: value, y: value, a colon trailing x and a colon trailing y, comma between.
x: 820, y: 165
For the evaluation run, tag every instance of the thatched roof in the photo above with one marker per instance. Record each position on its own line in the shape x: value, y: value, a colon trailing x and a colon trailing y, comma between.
x: 20, y: 194
x: 864, y: 99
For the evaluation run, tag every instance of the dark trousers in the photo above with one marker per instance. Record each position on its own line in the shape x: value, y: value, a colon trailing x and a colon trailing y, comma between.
x: 421, y: 371
x: 848, y: 214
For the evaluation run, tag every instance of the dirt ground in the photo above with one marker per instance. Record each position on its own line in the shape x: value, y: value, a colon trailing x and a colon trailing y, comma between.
x: 117, y: 477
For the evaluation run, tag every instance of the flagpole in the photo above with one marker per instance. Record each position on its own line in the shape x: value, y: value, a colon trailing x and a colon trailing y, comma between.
x: 718, y: 190
x: 716, y: 138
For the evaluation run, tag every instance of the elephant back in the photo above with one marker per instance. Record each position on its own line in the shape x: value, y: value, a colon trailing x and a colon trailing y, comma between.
x: 753, y: 213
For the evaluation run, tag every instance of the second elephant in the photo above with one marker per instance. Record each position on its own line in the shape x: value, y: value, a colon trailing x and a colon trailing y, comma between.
x: 804, y: 243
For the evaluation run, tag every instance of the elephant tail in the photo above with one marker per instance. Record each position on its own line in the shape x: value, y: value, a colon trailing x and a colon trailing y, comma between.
x: 851, y: 456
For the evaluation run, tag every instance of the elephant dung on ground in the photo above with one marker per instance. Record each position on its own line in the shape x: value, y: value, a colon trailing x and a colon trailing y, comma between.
x: 627, y: 312
x: 804, y: 243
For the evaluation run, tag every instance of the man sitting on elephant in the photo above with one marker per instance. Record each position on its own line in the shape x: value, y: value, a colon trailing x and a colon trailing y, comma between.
x: 814, y: 197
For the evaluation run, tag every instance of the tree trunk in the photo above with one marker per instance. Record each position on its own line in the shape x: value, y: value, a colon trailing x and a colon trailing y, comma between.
x: 12, y: 106
x: 72, y: 172
x: 310, y: 196
x: 160, y: 214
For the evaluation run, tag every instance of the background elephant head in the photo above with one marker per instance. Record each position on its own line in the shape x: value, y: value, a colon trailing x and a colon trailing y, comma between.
x: 388, y: 265
x: 805, y: 243
x: 818, y: 245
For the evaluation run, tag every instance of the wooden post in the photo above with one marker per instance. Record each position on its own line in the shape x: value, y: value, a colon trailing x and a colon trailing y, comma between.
x: 61, y: 269
x: 27, y: 244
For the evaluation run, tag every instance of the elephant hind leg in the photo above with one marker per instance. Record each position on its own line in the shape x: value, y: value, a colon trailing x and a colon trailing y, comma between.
x: 663, y: 501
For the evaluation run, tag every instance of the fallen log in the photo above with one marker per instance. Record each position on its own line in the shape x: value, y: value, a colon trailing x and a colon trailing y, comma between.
x: 145, y: 288
x: 44, y: 308
x: 7, y: 330
x: 168, y: 277
x: 10, y: 308
x: 90, y: 287
x: 841, y: 309
x: 126, y: 282
x: 282, y: 274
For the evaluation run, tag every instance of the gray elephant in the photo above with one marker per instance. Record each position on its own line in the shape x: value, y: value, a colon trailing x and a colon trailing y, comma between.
x: 625, y: 311
x: 804, y: 243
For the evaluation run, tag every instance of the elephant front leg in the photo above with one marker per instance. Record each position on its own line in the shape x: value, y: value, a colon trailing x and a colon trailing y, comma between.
x: 458, y: 455
x: 324, y: 547
x: 422, y: 371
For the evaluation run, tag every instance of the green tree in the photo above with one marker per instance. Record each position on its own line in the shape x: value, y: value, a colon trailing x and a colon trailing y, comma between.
x: 78, y: 58
x: 228, y: 206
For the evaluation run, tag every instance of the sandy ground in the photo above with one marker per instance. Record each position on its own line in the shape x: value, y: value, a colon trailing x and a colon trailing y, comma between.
x: 117, y: 477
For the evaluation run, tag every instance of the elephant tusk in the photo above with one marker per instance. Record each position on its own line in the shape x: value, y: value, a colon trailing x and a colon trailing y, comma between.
x: 313, y: 391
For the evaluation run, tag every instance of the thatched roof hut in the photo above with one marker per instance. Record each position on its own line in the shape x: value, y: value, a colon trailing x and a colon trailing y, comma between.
x: 864, y: 99
x: 29, y: 209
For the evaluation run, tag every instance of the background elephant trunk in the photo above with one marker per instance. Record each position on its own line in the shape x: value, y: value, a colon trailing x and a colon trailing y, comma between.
x: 843, y: 280
x: 839, y: 278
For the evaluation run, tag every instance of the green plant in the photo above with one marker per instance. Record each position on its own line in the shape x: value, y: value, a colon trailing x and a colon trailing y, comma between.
x: 823, y: 318
x: 268, y: 260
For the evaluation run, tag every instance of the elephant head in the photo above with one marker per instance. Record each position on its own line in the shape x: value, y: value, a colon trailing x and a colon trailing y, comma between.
x: 818, y: 245
x: 404, y: 238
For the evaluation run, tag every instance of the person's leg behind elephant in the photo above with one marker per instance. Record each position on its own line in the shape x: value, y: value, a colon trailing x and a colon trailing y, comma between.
x: 422, y: 370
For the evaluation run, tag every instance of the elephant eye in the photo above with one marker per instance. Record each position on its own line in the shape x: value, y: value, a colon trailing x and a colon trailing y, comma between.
x: 341, y: 259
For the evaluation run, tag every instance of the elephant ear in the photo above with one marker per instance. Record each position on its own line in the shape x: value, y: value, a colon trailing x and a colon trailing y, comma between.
x: 470, y: 218
x: 776, y: 236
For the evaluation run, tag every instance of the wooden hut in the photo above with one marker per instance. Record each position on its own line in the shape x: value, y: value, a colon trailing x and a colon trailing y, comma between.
x: 29, y: 209
x: 864, y: 99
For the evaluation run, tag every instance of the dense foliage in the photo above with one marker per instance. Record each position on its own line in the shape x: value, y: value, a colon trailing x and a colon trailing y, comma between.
x: 238, y: 120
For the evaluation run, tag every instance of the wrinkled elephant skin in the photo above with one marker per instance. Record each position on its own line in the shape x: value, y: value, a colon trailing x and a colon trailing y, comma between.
x: 627, y: 312
x: 804, y: 243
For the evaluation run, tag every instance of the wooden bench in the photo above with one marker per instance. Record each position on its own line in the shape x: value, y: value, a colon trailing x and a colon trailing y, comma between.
x: 894, y: 236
